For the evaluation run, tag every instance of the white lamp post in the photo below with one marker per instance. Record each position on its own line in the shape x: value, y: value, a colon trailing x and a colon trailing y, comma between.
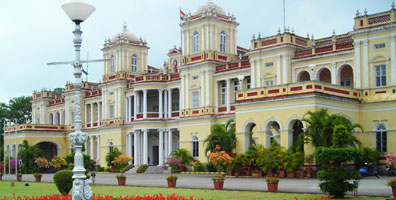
x: 78, y: 11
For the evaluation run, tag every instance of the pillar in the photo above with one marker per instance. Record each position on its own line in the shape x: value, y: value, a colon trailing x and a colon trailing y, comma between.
x: 169, y: 141
x: 85, y: 115
x: 135, y: 105
x: 252, y: 78
x: 145, y: 104
x: 170, y: 103
x: 228, y: 95
x: 393, y: 60
x: 365, y: 64
x: 135, y: 153
x: 91, y: 150
x: 202, y: 96
x: 145, y: 147
x: 91, y: 105
x: 98, y: 147
x: 161, y: 147
x: 357, y: 77
x: 216, y: 96
x: 160, y: 113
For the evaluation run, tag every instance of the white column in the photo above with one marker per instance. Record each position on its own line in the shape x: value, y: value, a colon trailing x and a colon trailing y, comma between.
x: 126, y: 109
x: 127, y: 145
x: 278, y: 70
x: 216, y: 96
x: 160, y: 115
x: 60, y: 117
x: 365, y: 64
x: 181, y: 95
x: 103, y: 106
x: 99, y: 112
x: 258, y: 66
x: 135, y: 152
x: 91, y: 146
x: 210, y: 27
x: 215, y: 38
x: 92, y: 116
x: 357, y: 76
x: 393, y: 60
x: 169, y: 141
x: 183, y: 43
x: 135, y: 110
x: 166, y: 109
x: 202, y: 39
x: 53, y: 120
x: 334, y: 74
x: 144, y: 103
x: 130, y: 146
x: 145, y: 147
x: 166, y: 143
x: 161, y: 147
x: 207, y: 37
x: 252, y: 77
x: 228, y: 95
x: 231, y: 41
x: 202, y: 96
x: 240, y: 85
x: 85, y: 115
x: 187, y: 105
x: 188, y: 42
x: 285, y: 68
x: 170, y: 103
x: 98, y: 147
x: 208, y: 87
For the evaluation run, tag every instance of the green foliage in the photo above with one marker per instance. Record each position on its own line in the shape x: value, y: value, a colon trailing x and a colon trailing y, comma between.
x: 171, y: 178
x: 254, y: 152
x: 88, y: 162
x: 209, y: 167
x: 292, y: 161
x: 126, y: 168
x: 368, y: 156
x: 111, y: 156
x: 321, y: 126
x: 27, y: 155
x: 141, y: 169
x: 63, y: 181
x: 198, y: 167
x: 270, y: 159
x: 272, y: 179
x: 184, y: 155
x: 223, y: 136
x: 334, y: 175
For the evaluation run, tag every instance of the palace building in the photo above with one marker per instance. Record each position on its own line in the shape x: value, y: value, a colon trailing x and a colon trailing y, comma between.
x: 147, y: 112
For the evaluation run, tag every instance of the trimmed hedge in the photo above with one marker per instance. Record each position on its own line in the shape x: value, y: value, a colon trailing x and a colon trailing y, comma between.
x: 63, y: 181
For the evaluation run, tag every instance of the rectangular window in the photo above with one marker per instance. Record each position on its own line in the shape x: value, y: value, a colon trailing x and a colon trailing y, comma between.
x: 380, y: 75
x: 381, y: 141
x: 111, y: 111
x: 195, y: 99
x: 72, y: 117
x: 223, y: 93
x: 248, y: 83
x: 269, y: 83
x: 195, y: 78
x: 236, y: 88
x: 195, y: 152
x: 269, y: 64
x: 379, y: 46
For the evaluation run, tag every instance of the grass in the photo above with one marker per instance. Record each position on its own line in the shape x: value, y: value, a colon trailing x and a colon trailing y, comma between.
x: 39, y: 189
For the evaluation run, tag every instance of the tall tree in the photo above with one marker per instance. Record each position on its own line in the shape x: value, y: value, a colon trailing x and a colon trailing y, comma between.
x: 27, y: 155
x: 223, y: 136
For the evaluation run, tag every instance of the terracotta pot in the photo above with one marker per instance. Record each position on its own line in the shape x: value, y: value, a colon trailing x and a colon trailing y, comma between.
x: 272, y: 187
x: 281, y: 173
x: 247, y: 171
x: 121, y: 181
x: 171, y: 183
x: 229, y: 173
x: 300, y: 174
x: 218, y: 185
x: 19, y: 178
x: 291, y: 174
x: 308, y: 171
x: 12, y: 184
x: 257, y: 173
x: 182, y: 169
x: 38, y: 179
x: 394, y: 191
x: 237, y: 173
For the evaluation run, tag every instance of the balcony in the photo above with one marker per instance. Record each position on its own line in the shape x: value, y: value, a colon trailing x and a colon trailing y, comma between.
x: 157, y: 78
x: 37, y: 127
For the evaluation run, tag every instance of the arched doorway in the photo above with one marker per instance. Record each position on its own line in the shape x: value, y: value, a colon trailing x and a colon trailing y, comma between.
x: 303, y: 76
x: 324, y: 75
x: 273, y: 133
x: 50, y: 149
x: 51, y: 118
x: 298, y: 140
x: 346, y: 76
x: 251, y: 136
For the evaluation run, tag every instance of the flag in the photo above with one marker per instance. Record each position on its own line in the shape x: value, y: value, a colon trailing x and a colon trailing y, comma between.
x: 182, y: 15
x: 83, y: 71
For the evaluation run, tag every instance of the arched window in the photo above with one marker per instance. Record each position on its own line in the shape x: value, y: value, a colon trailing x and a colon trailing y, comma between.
x: 380, y: 138
x: 134, y: 63
x: 223, y: 42
x: 111, y: 147
x: 112, y: 64
x: 195, y: 146
x: 195, y: 42
x: 174, y: 66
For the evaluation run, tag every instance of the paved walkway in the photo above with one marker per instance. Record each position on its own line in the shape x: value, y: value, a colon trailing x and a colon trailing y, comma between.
x: 370, y: 186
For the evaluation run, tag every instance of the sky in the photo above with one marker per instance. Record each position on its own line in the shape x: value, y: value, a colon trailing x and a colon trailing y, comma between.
x: 33, y: 33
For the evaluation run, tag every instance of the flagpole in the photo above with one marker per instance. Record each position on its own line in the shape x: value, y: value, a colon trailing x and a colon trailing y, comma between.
x: 181, y: 33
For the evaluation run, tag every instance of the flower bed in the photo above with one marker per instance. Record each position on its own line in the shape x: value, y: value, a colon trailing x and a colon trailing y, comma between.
x: 107, y: 197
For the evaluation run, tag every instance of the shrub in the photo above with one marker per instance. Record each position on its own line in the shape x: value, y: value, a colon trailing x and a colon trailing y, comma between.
x: 121, y: 161
x: 121, y: 177
x: 368, y: 156
x: 209, y: 167
x: 88, y: 162
x: 142, y: 169
x: 198, y: 167
x: 184, y: 155
x: 63, y: 181
x: 126, y: 168
x: 272, y: 179
x: 99, y: 168
x: 58, y: 162
x: 107, y: 169
x: 36, y: 175
x: 171, y: 178
x: 111, y: 156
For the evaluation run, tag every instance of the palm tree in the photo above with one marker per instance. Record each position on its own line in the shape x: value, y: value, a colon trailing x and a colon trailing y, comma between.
x: 27, y: 155
x: 320, y: 126
x: 223, y: 136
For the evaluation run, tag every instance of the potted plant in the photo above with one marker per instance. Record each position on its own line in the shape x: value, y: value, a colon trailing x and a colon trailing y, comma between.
x: 298, y: 159
x: 174, y: 164
x: 58, y: 162
x: 272, y: 183
x: 238, y: 164
x: 270, y: 159
x: 121, y: 162
x: 309, y: 169
x: 392, y: 184
x: 220, y: 159
x: 121, y: 178
x: 171, y: 180
x: 185, y: 157
x: 37, y: 176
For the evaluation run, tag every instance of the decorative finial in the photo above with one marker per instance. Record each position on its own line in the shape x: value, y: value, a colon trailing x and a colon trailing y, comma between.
x: 357, y: 13
x: 292, y: 31
x: 333, y: 31
x: 365, y: 11
x: 393, y: 5
x: 259, y: 35
x: 307, y: 35
x: 124, y: 26
x: 253, y: 37
x: 312, y: 37
x: 278, y: 30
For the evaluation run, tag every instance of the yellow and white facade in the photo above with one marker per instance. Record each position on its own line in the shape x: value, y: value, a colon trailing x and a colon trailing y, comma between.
x: 147, y: 112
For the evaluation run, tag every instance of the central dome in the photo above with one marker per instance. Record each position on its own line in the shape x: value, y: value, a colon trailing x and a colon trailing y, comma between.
x: 125, y: 35
x: 209, y: 6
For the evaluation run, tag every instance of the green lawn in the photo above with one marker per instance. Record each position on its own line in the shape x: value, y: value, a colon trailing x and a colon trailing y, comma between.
x: 38, y: 189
